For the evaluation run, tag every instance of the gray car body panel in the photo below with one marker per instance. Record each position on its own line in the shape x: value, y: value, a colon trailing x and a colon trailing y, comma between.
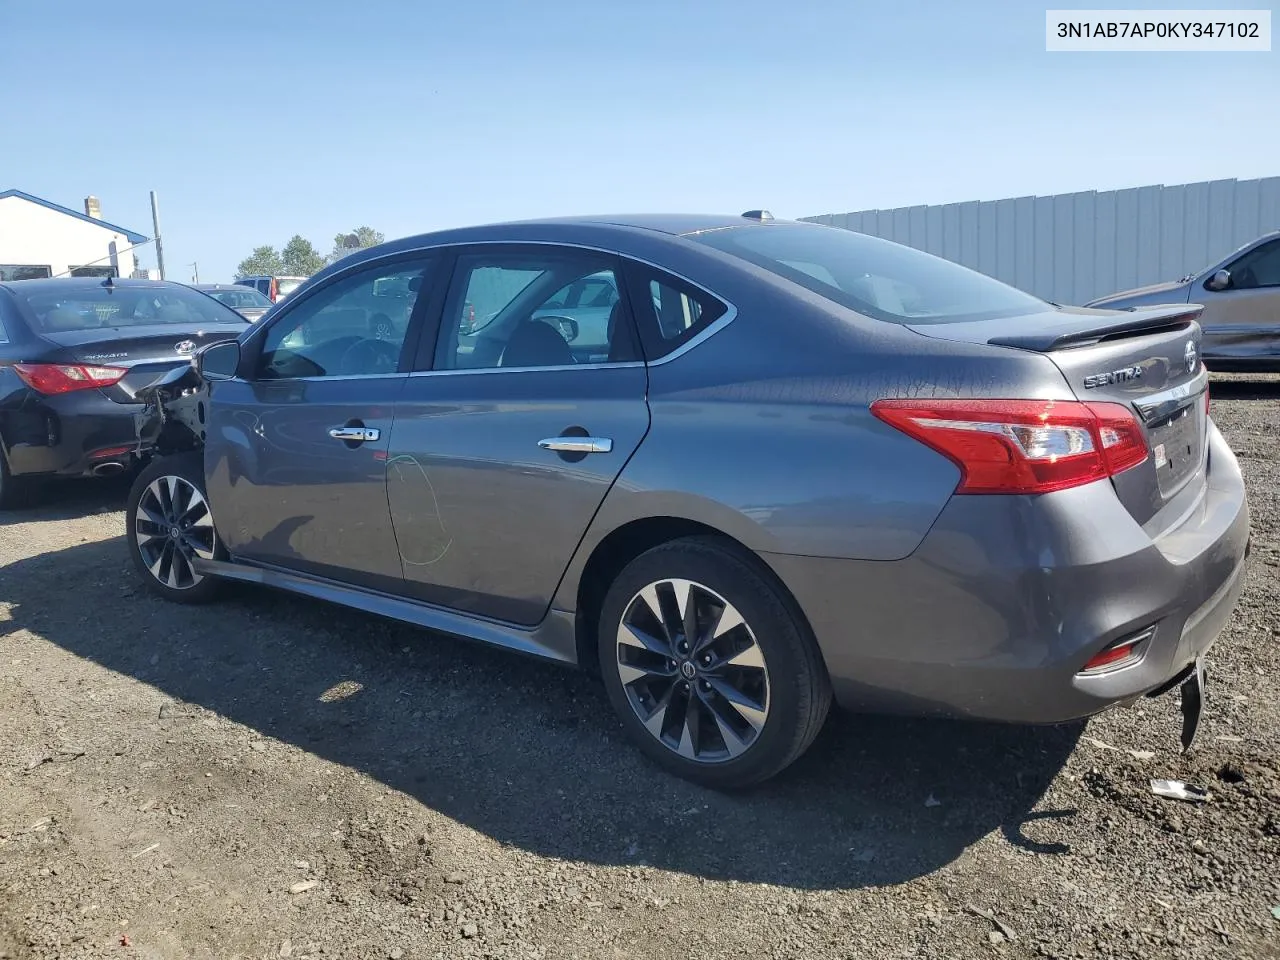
x: 758, y: 430
x: 1241, y: 326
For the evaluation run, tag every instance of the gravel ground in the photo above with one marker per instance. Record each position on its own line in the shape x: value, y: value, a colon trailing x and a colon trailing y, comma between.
x: 272, y: 777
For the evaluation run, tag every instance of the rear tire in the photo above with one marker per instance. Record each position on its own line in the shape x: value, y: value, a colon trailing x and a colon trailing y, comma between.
x: 168, y: 524
x: 742, y: 699
x: 13, y: 491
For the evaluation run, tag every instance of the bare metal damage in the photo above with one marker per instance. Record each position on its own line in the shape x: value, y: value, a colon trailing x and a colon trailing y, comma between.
x: 172, y: 419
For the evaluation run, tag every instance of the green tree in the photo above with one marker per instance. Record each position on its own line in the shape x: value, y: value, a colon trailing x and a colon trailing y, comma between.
x: 300, y: 258
x: 264, y: 261
x: 358, y: 239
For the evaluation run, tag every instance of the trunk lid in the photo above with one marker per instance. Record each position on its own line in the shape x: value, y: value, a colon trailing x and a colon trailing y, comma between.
x: 143, y: 349
x: 1147, y: 359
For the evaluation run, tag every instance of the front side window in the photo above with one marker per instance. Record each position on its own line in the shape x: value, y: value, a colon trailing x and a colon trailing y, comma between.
x: 511, y: 309
x: 1260, y: 267
x: 348, y: 328
x: 874, y: 277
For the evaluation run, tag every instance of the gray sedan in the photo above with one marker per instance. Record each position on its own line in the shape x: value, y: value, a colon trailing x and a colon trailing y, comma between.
x: 805, y: 465
x: 1241, y: 299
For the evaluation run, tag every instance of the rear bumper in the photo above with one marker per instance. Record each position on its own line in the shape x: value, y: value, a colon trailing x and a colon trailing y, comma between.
x: 66, y: 435
x: 1006, y: 599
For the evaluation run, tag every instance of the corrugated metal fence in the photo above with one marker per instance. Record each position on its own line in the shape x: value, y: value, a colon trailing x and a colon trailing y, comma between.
x: 1073, y: 247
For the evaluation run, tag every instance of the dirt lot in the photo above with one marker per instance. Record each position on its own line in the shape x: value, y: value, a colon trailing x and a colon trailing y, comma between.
x: 272, y: 777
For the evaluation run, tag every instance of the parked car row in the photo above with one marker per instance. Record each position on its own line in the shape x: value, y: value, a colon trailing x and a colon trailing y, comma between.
x: 740, y: 468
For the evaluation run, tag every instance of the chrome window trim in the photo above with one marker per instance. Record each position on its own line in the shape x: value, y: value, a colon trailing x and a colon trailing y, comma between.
x: 708, y: 331
x: 560, y: 367
x: 342, y: 376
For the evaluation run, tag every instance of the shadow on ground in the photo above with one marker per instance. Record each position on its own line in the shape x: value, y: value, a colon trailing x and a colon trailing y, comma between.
x: 529, y: 753
x: 68, y: 500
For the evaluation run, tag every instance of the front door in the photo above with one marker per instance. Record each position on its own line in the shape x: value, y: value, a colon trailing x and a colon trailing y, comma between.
x: 507, y: 441
x: 296, y: 451
x: 1242, y: 322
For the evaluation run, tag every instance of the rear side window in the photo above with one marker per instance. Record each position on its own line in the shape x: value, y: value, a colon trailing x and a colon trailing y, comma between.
x: 884, y: 280
x: 669, y: 311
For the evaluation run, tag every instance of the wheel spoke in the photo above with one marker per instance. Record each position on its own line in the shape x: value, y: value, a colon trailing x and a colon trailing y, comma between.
x: 197, y: 513
x: 733, y: 743
x: 185, y: 572
x: 686, y: 608
x: 631, y: 671
x: 155, y: 565
x: 688, y: 746
x: 148, y: 530
x: 747, y: 657
x: 151, y: 516
x: 632, y: 636
x: 671, y: 613
x: 657, y: 719
x: 753, y: 713
x: 199, y: 548
x: 171, y: 488
x: 727, y: 619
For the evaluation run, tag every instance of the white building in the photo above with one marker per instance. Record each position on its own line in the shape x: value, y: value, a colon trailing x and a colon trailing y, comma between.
x: 43, y: 239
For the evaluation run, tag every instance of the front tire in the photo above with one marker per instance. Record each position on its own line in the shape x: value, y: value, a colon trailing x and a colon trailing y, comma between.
x: 169, y: 525
x: 713, y: 672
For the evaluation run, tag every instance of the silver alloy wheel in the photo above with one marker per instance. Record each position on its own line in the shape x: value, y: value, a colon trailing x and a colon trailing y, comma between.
x: 173, y: 526
x: 692, y: 671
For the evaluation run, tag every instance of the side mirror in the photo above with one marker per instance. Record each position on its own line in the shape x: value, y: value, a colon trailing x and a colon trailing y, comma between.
x: 1219, y: 281
x: 221, y: 361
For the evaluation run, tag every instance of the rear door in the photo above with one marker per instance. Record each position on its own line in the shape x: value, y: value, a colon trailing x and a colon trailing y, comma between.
x: 508, y: 435
x: 296, y: 455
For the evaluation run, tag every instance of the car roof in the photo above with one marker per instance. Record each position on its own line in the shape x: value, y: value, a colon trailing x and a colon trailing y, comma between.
x: 675, y: 224
x: 70, y: 285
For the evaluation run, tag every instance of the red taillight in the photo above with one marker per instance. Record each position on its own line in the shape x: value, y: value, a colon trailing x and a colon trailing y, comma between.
x: 275, y: 290
x: 54, y: 378
x: 1022, y: 446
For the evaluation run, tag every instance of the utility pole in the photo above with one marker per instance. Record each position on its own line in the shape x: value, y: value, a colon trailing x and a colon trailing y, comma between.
x: 155, y: 225
x: 195, y: 272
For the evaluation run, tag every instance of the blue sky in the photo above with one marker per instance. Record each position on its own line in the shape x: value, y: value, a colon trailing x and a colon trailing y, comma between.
x: 255, y: 121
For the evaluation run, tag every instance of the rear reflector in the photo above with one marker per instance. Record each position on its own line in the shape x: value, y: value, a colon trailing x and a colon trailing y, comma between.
x: 111, y: 452
x: 1119, y: 654
x: 1022, y: 446
x: 55, y: 378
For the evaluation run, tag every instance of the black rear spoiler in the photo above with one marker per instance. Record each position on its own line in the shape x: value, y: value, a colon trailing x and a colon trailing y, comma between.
x: 1104, y: 327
